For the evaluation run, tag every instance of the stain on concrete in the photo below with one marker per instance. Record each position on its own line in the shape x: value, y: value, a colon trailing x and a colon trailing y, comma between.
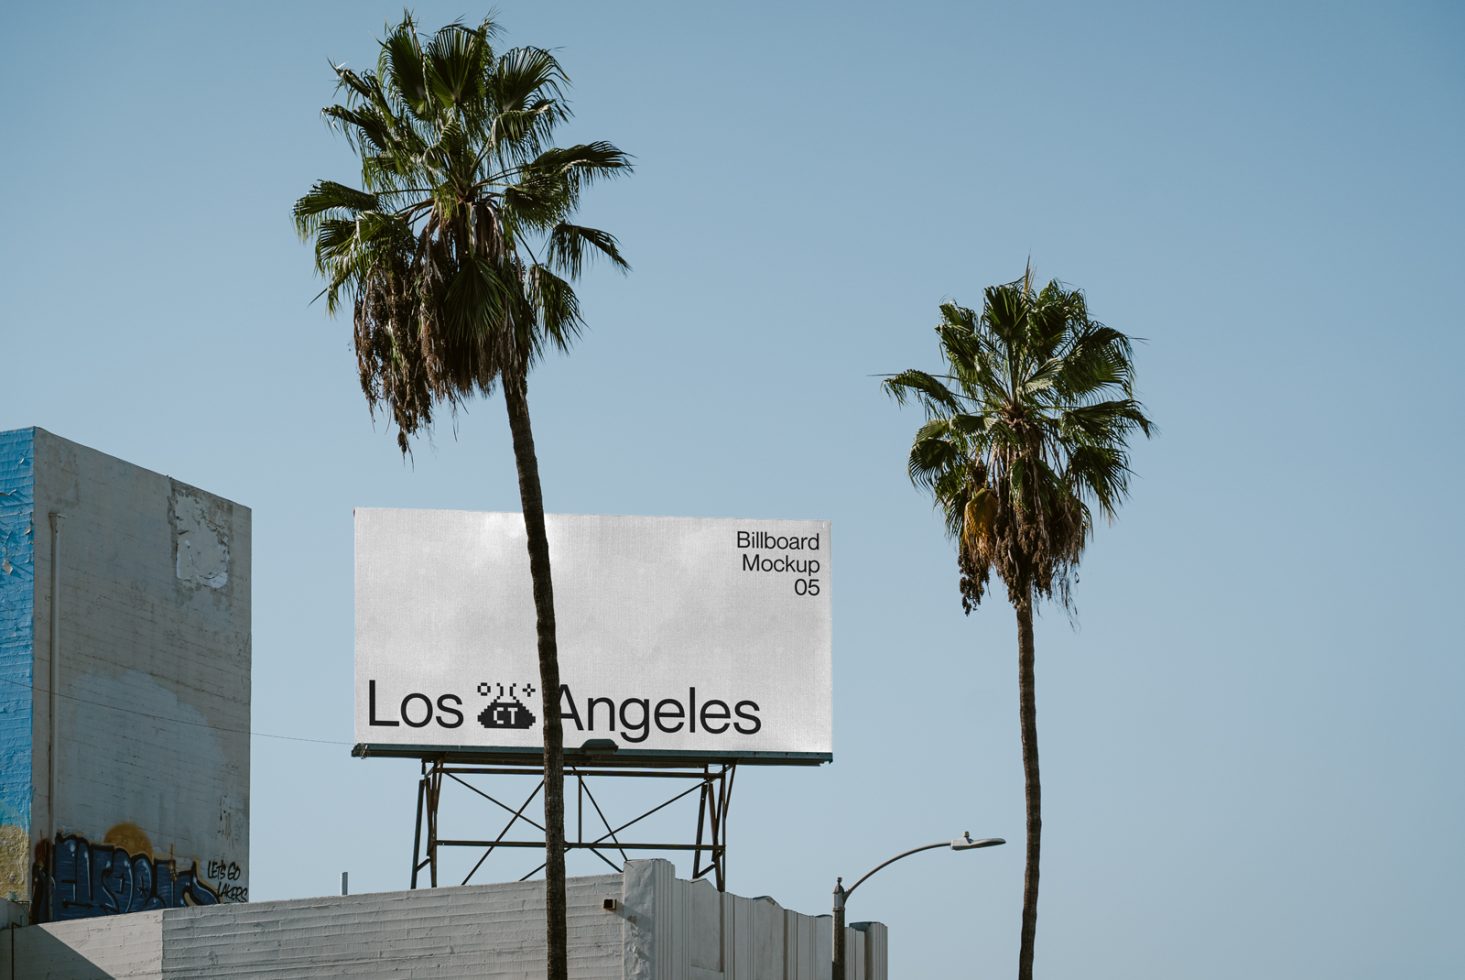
x: 130, y: 837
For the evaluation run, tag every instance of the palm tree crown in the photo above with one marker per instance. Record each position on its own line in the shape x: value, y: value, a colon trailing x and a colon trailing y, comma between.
x: 1025, y: 431
x: 456, y: 253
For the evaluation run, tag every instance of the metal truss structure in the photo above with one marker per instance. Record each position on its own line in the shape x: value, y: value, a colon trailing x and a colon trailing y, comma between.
x: 712, y: 781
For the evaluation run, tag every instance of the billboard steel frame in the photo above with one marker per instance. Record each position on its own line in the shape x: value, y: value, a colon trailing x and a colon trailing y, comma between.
x: 712, y: 781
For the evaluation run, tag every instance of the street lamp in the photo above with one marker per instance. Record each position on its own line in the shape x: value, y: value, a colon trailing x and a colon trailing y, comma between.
x: 841, y: 893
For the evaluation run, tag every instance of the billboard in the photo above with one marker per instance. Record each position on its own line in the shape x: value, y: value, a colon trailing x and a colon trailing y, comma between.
x: 678, y: 637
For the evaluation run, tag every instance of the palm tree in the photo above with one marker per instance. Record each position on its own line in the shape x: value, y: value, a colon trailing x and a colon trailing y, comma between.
x: 455, y: 257
x: 1025, y: 430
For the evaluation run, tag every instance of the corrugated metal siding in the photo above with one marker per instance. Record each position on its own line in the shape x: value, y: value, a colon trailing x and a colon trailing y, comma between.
x: 876, y: 940
x: 683, y: 930
x: 808, y: 946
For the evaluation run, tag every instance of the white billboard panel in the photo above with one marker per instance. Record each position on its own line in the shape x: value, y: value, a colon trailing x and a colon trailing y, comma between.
x: 677, y: 636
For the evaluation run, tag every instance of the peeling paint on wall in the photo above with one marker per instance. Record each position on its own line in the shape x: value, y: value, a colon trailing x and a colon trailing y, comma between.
x: 15, y: 846
x: 17, y: 631
x: 201, y: 542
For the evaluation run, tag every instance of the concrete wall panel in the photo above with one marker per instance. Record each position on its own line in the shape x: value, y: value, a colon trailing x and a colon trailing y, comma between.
x: 125, y: 947
x: 151, y: 760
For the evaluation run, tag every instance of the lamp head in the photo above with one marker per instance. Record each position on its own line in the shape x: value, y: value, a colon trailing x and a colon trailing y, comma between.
x: 965, y: 842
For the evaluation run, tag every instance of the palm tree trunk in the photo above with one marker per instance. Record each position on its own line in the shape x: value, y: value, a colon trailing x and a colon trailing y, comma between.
x: 516, y: 398
x: 1033, y: 790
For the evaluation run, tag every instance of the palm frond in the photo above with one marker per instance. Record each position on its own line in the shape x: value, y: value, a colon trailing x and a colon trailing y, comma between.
x: 526, y: 75
x: 578, y: 166
x: 934, y: 396
x: 556, y: 305
x: 400, y: 67
x: 327, y: 200
x: 571, y: 246
x: 454, y: 62
x: 932, y: 454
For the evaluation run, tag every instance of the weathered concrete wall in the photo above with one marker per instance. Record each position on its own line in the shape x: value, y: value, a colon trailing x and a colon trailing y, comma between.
x: 660, y: 929
x: 128, y: 947
x: 494, y: 932
x: 151, y: 755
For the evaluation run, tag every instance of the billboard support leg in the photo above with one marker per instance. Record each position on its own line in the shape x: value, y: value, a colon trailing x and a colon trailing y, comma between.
x: 434, y: 793
x: 712, y: 783
x: 702, y: 800
x: 417, y: 834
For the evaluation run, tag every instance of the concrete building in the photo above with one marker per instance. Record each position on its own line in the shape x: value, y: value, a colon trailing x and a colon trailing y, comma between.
x: 643, y: 924
x: 124, y: 686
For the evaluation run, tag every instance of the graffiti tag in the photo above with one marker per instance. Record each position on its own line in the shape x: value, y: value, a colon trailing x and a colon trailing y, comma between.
x: 226, y: 873
x: 86, y: 879
x: 233, y: 893
x: 221, y: 870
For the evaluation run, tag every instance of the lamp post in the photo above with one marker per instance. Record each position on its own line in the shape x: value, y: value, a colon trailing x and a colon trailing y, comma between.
x: 842, y: 894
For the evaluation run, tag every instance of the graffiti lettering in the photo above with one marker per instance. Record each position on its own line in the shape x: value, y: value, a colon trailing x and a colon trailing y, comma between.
x: 85, y: 879
x: 234, y: 893
x: 221, y: 869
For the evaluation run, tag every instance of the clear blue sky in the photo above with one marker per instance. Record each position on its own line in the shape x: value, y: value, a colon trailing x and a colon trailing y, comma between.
x: 1252, y: 744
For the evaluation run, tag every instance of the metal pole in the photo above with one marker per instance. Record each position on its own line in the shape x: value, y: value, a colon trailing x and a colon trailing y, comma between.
x: 837, y: 973
x: 417, y: 835
x: 434, y: 791
x: 729, y: 773
x: 55, y: 667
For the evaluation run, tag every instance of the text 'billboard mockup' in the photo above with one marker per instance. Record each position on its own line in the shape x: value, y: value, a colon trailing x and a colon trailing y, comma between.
x: 677, y: 636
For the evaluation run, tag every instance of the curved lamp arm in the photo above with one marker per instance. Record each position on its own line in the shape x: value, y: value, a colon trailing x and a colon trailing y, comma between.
x: 963, y: 843
x: 905, y: 854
